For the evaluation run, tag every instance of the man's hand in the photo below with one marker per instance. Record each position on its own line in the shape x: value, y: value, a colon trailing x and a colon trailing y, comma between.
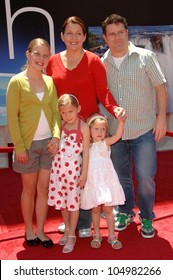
x: 120, y: 113
x: 160, y: 128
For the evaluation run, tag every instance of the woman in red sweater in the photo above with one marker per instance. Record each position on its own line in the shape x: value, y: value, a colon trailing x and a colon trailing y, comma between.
x: 82, y: 73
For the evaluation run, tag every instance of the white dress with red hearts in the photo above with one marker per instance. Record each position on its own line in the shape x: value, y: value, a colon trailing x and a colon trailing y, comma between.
x: 64, y: 191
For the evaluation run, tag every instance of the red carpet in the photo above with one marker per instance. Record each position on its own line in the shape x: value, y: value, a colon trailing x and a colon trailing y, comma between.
x: 13, y: 247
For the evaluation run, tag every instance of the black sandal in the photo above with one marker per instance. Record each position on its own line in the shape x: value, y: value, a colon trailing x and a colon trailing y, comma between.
x: 46, y: 243
x: 32, y: 242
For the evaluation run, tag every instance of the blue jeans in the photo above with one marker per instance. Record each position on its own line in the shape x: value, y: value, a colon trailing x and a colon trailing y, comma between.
x: 84, y: 219
x: 142, y: 152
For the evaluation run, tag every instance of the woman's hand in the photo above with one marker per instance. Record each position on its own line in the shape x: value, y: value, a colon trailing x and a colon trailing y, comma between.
x: 53, y: 146
x: 22, y: 157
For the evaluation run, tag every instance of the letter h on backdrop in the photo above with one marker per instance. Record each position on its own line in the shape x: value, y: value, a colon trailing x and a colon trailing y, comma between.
x: 10, y: 19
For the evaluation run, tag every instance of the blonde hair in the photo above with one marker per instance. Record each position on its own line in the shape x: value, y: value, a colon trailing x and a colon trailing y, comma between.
x: 68, y: 99
x: 32, y: 44
x: 101, y: 118
x: 37, y: 42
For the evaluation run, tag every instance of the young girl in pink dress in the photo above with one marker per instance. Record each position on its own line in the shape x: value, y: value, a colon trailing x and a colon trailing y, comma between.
x: 102, y: 188
x: 69, y: 168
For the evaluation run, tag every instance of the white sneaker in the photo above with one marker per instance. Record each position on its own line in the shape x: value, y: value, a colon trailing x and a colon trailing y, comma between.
x: 115, y: 212
x: 102, y: 215
x: 84, y: 233
x: 123, y: 220
x: 61, y: 228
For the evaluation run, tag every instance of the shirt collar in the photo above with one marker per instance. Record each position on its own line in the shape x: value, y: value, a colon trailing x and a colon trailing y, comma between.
x: 131, y: 49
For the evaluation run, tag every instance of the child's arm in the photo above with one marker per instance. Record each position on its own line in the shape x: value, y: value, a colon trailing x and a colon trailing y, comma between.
x: 118, y: 134
x: 85, y: 154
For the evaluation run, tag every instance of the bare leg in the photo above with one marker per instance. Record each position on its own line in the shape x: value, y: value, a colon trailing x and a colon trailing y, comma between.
x: 96, y: 242
x: 96, y: 219
x: 66, y: 218
x: 110, y: 219
x: 116, y: 244
x: 29, y: 182
x: 70, y: 220
x: 41, y: 202
x: 74, y: 216
x: 71, y: 237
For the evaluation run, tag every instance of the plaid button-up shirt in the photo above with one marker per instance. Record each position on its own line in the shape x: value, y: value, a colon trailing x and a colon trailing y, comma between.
x: 133, y: 87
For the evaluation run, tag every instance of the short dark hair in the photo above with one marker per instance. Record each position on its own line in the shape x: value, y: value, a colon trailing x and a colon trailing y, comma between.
x: 114, y: 18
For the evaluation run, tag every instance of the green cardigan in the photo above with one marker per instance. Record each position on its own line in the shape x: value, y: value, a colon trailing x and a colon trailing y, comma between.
x: 24, y: 110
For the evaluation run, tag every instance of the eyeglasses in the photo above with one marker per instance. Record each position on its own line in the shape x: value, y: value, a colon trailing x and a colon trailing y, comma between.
x: 119, y: 34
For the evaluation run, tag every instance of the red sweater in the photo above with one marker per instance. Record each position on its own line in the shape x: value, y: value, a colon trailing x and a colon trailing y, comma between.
x: 87, y: 82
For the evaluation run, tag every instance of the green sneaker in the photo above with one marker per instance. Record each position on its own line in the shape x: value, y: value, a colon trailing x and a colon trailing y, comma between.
x: 147, y: 229
x: 123, y: 220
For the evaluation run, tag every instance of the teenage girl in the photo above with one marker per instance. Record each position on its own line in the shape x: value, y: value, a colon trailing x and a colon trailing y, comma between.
x: 33, y: 121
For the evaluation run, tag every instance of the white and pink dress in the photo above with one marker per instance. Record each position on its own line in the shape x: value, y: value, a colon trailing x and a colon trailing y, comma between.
x: 103, y: 185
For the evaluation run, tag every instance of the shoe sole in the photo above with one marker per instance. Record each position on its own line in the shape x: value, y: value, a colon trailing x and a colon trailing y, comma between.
x: 85, y: 235
x: 148, y: 236
x: 121, y: 229
x: 61, y: 231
